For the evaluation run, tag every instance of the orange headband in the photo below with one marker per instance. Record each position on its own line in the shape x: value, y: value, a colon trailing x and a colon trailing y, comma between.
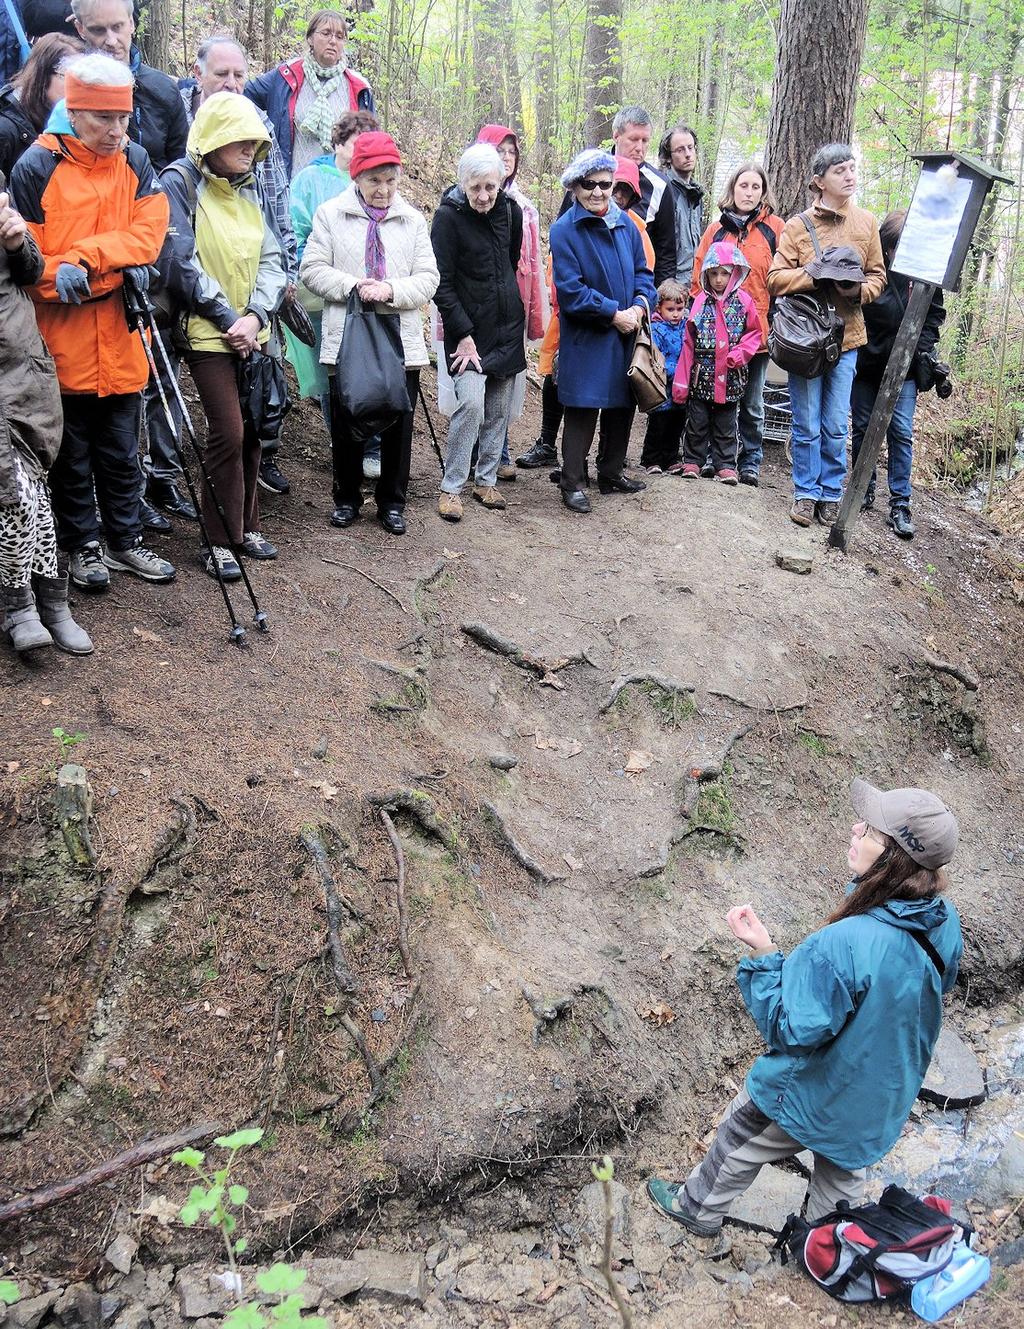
x: 79, y: 96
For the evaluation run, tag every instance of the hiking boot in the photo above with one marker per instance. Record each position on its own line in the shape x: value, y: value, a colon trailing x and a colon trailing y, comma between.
x: 750, y: 478
x: 707, y: 471
x: 727, y: 476
x: 506, y: 471
x: 489, y: 497
x: 218, y: 558
x: 537, y: 456
x: 151, y: 519
x: 826, y: 512
x: 21, y: 620
x: 449, y: 506
x: 140, y: 562
x: 899, y: 520
x: 255, y: 545
x: 868, y: 501
x: 165, y: 494
x: 667, y: 1196
x: 87, y: 569
x: 52, y: 602
x: 802, y: 511
x: 272, y: 478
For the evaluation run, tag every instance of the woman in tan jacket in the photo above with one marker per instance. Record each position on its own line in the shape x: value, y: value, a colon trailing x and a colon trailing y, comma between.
x: 821, y: 406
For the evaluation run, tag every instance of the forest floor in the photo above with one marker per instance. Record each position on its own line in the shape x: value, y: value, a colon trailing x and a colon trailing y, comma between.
x: 564, y: 831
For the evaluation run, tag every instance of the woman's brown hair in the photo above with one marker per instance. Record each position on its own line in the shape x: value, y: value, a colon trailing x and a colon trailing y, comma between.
x: 892, y: 876
x: 43, y: 62
x: 728, y: 199
x: 352, y: 122
x: 890, y: 228
x: 322, y: 16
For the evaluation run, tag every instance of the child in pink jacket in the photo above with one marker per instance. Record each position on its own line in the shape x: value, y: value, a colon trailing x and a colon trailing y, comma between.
x: 722, y: 335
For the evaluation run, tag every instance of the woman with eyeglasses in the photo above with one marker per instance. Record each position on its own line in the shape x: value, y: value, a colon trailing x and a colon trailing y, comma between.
x: 851, y: 1017
x: 602, y: 279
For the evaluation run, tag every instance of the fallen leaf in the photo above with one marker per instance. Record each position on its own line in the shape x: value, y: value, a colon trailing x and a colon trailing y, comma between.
x: 469, y: 1012
x: 570, y: 748
x: 574, y: 863
x: 163, y: 1210
x: 544, y: 1297
x: 11, y: 766
x: 145, y: 772
x: 659, y: 1013
x: 637, y: 761
x: 667, y: 953
x: 543, y: 742
x: 144, y: 634
x: 453, y: 553
x: 550, y: 680
x: 45, y: 701
x: 517, y: 599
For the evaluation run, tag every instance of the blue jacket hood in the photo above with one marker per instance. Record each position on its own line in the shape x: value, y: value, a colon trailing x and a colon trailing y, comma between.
x: 914, y: 915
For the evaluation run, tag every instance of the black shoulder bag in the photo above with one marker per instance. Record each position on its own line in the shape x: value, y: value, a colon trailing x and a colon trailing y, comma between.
x: 806, y: 336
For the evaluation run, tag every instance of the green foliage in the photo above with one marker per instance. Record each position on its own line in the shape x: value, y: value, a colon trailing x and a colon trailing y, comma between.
x: 605, y: 1170
x: 9, y: 1293
x: 813, y: 743
x: 66, y: 741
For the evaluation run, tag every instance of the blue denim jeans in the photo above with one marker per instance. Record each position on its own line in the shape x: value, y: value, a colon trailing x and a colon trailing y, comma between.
x: 899, y: 436
x: 821, y: 412
x: 751, y: 417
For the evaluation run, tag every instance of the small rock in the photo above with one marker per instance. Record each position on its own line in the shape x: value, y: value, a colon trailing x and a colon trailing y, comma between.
x: 195, y: 1300
x: 337, y: 1278
x: 435, y: 1254
x: 773, y: 1196
x: 500, y: 1283
x: 393, y: 1277
x: 79, y: 1307
x: 1009, y: 1253
x: 28, y: 1314
x: 379, y: 1016
x: 737, y: 1278
x: 320, y: 751
x: 111, y: 1305
x: 650, y: 1257
x: 954, y: 1079
x: 134, y: 1316
x: 503, y: 761
x: 1004, y: 1180
x: 794, y: 560
x: 121, y: 1252
x: 590, y: 1210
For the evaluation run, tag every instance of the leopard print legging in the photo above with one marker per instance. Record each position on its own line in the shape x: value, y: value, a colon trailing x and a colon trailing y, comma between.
x: 28, y: 543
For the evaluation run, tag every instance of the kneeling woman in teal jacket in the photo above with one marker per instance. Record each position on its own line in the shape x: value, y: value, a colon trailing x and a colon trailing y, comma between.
x: 850, y: 1017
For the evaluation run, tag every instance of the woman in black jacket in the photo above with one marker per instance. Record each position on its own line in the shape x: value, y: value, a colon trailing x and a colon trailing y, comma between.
x: 477, y: 235
x: 883, y: 318
x: 26, y: 102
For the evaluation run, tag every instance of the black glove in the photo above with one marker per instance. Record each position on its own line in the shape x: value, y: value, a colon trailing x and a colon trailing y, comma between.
x: 72, y: 283
x: 136, y: 278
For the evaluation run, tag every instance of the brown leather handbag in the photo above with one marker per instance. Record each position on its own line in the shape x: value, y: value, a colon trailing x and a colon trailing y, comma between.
x: 646, y: 372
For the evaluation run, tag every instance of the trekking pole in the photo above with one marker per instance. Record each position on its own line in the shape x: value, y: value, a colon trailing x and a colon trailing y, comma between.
x: 133, y: 311
x: 430, y: 426
x: 149, y: 314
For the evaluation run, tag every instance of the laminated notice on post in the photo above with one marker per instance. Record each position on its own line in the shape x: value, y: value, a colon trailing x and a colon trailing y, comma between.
x: 933, y: 222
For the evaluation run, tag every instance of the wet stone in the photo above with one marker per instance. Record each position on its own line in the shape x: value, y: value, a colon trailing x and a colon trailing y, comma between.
x: 503, y: 761
x: 28, y: 1314
x: 954, y: 1079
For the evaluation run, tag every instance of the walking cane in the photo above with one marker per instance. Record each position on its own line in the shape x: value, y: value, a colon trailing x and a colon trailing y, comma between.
x: 141, y: 315
x: 430, y: 426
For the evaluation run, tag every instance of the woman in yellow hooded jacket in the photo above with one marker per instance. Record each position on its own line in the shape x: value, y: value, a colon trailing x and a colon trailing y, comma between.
x: 224, y: 269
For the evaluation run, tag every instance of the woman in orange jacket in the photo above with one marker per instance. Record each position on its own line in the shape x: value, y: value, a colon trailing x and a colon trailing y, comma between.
x: 748, y: 220
x: 96, y: 211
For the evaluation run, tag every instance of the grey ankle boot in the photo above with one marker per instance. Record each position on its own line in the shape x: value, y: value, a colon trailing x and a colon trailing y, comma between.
x: 52, y: 598
x: 21, y: 619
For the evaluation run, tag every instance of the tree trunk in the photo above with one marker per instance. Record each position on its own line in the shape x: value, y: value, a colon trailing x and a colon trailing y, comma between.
x: 495, y: 68
x: 156, y: 38
x: 602, y: 61
x: 814, y: 90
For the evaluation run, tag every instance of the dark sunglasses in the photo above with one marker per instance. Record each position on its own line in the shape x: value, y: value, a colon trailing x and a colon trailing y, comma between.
x: 592, y: 186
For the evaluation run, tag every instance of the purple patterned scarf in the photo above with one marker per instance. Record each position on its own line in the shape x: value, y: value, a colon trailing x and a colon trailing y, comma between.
x: 375, y: 258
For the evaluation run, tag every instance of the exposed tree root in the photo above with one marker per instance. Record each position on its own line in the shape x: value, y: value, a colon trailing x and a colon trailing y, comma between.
x: 424, y: 583
x: 669, y: 685
x: 771, y: 707
x: 545, y: 670
x: 524, y: 859
x: 353, y: 567
x: 698, y: 775
x: 403, y: 914
x: 73, y: 805
x: 169, y: 850
x: 420, y: 806
x: 147, y: 1152
x: 964, y: 675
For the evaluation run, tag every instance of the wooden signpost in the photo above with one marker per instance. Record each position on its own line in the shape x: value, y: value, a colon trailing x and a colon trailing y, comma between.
x: 937, y: 233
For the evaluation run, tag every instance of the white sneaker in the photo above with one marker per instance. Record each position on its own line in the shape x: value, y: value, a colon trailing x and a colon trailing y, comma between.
x: 219, y: 558
x: 140, y: 562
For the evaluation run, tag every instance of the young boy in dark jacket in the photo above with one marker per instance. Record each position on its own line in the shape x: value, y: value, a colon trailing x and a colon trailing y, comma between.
x: 665, y: 424
x: 722, y: 334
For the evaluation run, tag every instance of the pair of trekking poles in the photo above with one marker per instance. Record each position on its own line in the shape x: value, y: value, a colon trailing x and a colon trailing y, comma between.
x: 141, y: 317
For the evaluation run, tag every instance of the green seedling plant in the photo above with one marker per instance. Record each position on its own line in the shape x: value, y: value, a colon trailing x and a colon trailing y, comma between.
x: 66, y: 741
x: 282, y: 1281
x: 9, y: 1293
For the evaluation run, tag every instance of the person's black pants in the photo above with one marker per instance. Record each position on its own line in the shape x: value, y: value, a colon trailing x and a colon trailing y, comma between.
x: 578, y: 435
x: 99, y: 451
x: 664, y: 436
x: 551, y: 412
x: 395, y: 456
x: 711, y: 429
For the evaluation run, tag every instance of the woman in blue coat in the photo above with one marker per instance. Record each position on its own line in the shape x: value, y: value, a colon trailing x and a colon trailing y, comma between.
x: 601, y: 277
x: 850, y: 1017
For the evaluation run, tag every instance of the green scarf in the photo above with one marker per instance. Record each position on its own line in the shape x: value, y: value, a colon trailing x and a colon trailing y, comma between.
x: 321, y: 116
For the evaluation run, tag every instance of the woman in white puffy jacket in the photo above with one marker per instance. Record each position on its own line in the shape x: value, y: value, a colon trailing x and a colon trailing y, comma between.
x: 368, y: 238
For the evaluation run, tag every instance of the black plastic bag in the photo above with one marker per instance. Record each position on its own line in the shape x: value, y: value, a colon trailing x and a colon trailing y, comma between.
x: 369, y: 382
x: 263, y: 393
x: 298, y: 322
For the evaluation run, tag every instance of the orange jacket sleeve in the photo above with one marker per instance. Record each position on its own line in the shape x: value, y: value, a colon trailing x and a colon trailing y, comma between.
x: 698, y: 260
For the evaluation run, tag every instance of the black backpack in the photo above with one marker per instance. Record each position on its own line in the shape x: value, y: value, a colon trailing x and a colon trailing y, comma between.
x: 875, y: 1252
x: 806, y: 335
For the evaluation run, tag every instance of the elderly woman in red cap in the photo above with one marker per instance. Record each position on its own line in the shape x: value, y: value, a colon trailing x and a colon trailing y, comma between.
x: 371, y: 240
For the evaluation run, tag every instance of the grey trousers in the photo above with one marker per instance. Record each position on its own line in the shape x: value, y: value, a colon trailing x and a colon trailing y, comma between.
x: 746, y: 1140
x: 483, y: 404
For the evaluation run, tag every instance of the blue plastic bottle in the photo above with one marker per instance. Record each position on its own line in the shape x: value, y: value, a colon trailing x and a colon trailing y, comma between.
x: 965, y: 1273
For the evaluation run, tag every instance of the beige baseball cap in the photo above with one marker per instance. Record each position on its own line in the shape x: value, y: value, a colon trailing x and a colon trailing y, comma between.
x: 917, y: 820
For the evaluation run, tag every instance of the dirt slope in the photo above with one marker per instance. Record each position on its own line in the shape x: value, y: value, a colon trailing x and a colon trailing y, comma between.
x: 208, y: 763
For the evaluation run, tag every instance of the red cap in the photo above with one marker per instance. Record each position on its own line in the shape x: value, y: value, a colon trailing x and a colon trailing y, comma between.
x: 371, y: 149
x: 627, y: 172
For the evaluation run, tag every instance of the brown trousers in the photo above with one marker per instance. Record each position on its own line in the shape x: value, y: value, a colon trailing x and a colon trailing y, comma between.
x: 232, y: 451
